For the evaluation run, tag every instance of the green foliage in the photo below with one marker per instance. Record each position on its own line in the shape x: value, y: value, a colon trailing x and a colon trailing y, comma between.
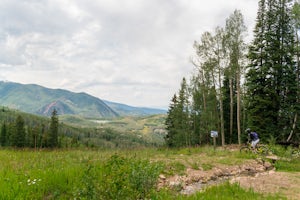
x: 178, y: 120
x: 119, y: 178
x: 219, y: 54
x: 90, y: 174
x: 18, y: 133
x: 75, y: 175
x: 127, y: 178
x: 173, y: 168
x: 3, y: 135
x: 225, y: 191
x: 288, y: 165
x: 229, y: 191
x: 271, y: 81
x: 38, y: 99
x: 43, y: 132
x: 206, y: 166
x: 53, y: 133
x: 268, y: 100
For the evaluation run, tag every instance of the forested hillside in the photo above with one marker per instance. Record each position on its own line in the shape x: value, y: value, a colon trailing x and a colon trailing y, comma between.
x: 40, y: 100
x: 19, y: 129
x: 238, y: 85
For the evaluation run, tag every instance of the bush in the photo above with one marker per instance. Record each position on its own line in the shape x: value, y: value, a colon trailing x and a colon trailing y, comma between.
x: 120, y: 178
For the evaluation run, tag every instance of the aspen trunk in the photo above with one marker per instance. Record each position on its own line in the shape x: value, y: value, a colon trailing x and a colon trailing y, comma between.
x: 297, y: 81
x: 231, y: 109
x: 238, y: 112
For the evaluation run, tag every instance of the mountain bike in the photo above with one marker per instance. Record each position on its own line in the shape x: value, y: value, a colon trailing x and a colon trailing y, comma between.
x: 259, y: 149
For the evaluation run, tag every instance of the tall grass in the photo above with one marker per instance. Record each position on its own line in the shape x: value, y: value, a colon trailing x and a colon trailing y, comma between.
x: 107, y: 174
x: 75, y: 175
x: 229, y: 191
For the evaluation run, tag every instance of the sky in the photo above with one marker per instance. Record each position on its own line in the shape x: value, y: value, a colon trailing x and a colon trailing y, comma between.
x: 134, y: 52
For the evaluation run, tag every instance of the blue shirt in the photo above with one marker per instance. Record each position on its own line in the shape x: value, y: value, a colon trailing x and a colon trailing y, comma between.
x: 253, y: 136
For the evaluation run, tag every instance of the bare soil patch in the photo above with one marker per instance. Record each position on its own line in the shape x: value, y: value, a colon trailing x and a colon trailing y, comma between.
x: 285, y: 183
x: 259, y: 175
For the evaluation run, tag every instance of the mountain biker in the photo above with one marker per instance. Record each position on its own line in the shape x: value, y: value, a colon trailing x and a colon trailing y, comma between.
x: 253, y: 137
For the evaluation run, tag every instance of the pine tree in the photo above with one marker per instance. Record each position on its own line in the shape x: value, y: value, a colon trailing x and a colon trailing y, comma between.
x: 270, y: 78
x: 171, y: 123
x: 53, y: 135
x: 19, y: 133
x: 3, y: 136
x: 296, y: 24
x: 178, y: 119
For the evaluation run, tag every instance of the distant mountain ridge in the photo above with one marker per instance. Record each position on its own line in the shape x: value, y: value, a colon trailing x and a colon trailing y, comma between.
x: 40, y: 100
x: 123, y: 109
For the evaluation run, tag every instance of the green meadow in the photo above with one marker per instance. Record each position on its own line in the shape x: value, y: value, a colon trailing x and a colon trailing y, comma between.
x: 111, y: 174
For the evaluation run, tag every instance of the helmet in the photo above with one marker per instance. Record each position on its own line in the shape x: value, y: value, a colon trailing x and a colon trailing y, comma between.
x: 248, y: 130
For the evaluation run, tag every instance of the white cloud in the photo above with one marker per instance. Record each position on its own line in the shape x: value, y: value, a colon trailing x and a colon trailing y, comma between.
x: 132, y: 51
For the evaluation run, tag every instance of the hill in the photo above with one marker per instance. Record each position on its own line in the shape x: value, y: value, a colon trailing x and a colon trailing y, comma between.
x: 40, y: 100
x: 126, y: 110
x: 93, y: 134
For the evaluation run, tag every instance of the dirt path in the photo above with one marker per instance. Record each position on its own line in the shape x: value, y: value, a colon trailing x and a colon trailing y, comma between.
x: 256, y: 174
x: 287, y: 184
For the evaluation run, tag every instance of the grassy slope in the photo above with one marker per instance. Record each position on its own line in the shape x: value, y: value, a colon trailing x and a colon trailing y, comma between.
x: 69, y: 174
x: 150, y: 128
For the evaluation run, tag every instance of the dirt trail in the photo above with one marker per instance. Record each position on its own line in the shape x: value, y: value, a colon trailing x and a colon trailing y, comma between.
x: 256, y: 174
x: 287, y: 184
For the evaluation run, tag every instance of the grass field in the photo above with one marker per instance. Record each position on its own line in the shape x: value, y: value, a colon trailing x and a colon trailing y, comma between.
x: 111, y: 174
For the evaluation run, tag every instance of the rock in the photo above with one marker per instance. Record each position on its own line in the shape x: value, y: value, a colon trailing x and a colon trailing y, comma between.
x: 218, y: 172
x: 268, y: 166
x: 161, y: 176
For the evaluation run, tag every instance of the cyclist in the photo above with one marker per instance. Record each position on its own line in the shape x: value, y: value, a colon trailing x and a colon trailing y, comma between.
x: 253, y: 137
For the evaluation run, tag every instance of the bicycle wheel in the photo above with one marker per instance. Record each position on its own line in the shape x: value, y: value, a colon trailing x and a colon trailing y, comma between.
x: 263, y: 150
x: 295, y: 153
x: 245, y: 149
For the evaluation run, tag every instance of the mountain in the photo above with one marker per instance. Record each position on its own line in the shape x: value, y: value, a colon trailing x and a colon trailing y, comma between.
x: 36, y: 99
x: 125, y: 110
x: 40, y: 100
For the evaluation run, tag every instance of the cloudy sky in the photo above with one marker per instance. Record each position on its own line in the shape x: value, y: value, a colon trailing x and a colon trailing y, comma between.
x: 128, y: 51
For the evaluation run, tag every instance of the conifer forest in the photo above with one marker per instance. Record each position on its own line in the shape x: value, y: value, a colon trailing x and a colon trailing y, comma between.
x: 239, y: 84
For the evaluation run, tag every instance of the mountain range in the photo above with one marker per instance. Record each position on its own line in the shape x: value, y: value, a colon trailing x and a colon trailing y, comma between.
x: 40, y: 100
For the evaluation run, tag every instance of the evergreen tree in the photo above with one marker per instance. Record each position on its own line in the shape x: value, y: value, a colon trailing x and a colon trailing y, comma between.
x: 171, y: 123
x: 19, y: 133
x: 178, y: 120
x: 3, y: 136
x: 296, y: 24
x: 53, y: 135
x: 271, y: 87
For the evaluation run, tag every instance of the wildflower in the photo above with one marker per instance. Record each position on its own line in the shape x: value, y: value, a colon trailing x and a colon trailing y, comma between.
x: 33, y: 182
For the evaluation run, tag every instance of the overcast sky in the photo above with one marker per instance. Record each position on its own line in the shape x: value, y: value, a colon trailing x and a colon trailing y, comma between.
x: 134, y: 52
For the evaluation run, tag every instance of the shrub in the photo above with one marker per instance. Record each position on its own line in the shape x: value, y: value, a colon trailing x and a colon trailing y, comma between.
x: 127, y: 178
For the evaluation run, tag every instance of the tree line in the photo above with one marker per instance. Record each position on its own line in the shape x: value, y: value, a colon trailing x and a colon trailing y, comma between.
x: 238, y: 85
x: 16, y: 133
x: 18, y: 129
